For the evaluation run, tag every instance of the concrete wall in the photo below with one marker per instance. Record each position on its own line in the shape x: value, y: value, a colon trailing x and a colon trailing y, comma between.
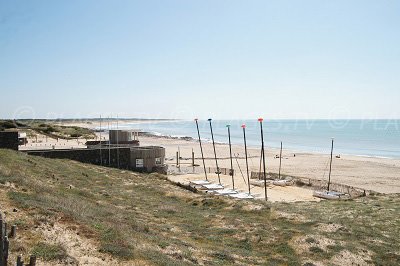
x: 120, y: 136
x: 108, y: 157
x: 9, y: 140
x: 127, y: 157
x: 149, y: 156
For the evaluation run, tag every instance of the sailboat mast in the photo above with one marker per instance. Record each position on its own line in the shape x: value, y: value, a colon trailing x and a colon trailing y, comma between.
x: 117, y: 144
x: 101, y: 157
x: 263, y: 155
x: 330, y: 166
x: 245, y: 152
x: 280, y: 161
x: 201, y: 148
x: 109, y: 143
x: 215, y: 153
x: 230, y: 156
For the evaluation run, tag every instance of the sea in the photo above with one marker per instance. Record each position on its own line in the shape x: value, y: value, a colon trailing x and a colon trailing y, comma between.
x: 371, y: 138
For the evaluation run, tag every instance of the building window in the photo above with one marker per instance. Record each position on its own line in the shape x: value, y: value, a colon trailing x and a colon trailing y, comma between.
x: 139, y: 163
x: 158, y: 161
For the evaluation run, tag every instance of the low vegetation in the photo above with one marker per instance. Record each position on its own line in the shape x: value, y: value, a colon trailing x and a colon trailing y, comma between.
x: 49, y: 252
x: 48, y: 128
x: 144, y: 218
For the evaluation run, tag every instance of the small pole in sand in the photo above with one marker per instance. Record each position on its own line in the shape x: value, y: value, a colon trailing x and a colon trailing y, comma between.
x: 101, y: 157
x: 330, y: 166
x: 109, y: 143
x: 245, y: 152
x: 117, y: 144
x: 193, y: 160
x: 230, y: 156
x: 259, y: 169
x: 13, y: 232
x: 280, y: 161
x: 201, y: 148
x: 192, y: 157
x: 32, y: 260
x: 179, y: 158
x: 215, y: 153
x: 263, y: 155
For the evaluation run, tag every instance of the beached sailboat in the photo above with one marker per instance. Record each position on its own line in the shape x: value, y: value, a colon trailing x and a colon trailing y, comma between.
x: 218, y: 172
x: 327, y: 194
x: 281, y: 182
x: 206, y: 184
x: 200, y: 183
x: 260, y: 120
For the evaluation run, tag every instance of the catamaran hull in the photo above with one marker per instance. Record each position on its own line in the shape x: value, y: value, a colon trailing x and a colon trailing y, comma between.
x: 282, y: 183
x: 326, y: 195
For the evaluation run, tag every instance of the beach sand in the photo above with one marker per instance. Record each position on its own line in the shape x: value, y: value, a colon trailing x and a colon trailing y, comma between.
x: 274, y: 193
x: 377, y: 174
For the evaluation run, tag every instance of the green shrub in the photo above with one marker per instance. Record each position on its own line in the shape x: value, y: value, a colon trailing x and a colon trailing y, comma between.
x: 49, y: 252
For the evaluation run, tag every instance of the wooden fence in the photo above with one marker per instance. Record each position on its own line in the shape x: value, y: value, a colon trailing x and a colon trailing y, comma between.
x: 353, y: 192
x: 5, y: 244
x: 317, y: 184
x: 198, y: 170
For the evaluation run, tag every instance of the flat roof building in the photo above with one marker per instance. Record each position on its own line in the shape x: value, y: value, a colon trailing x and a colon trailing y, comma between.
x: 140, y: 159
x: 117, y: 136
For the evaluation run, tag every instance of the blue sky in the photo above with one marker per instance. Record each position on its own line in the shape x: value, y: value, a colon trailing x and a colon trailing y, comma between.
x: 185, y: 59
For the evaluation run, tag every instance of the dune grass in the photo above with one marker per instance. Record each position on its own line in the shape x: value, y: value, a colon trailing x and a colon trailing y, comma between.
x: 48, y: 128
x: 145, y: 217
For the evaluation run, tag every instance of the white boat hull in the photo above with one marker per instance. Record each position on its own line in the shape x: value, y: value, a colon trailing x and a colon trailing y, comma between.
x: 331, y: 195
x: 282, y: 183
x: 242, y: 196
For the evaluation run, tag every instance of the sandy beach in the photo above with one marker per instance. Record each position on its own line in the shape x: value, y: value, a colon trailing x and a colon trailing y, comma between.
x: 377, y: 174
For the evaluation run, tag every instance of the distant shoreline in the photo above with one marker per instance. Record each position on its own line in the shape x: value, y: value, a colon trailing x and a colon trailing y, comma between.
x: 95, y: 124
x: 371, y: 173
x: 294, y: 151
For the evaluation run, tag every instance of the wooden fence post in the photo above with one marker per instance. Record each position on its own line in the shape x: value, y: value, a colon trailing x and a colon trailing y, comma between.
x: 1, y: 241
x: 13, y: 232
x: 19, y: 261
x: 32, y: 260
x: 6, y: 247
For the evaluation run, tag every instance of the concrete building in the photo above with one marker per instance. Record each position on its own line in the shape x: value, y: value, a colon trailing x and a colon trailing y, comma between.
x: 117, y: 136
x: 147, y: 158
x: 140, y: 159
x: 121, y: 152
x: 120, y: 138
